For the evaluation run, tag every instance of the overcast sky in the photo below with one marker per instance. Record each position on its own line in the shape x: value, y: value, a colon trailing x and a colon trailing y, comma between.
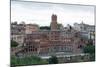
x: 40, y: 13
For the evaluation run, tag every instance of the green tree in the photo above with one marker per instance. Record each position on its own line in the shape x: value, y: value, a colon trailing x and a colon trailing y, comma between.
x: 45, y: 27
x: 53, y: 60
x: 90, y: 49
x: 14, y: 43
x: 59, y: 26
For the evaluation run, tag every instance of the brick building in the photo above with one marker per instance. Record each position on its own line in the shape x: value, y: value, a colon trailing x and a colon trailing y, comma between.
x: 29, y: 28
x: 48, y: 42
x: 54, y: 41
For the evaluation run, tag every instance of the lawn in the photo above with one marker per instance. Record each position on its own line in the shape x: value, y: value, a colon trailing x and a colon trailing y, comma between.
x: 31, y: 60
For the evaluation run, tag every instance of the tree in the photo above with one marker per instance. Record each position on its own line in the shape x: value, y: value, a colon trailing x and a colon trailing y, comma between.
x: 14, y: 43
x: 53, y: 60
x: 90, y: 49
x: 45, y: 28
x: 59, y: 26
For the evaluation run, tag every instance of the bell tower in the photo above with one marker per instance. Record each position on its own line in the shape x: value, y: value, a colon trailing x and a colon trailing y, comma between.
x: 53, y: 22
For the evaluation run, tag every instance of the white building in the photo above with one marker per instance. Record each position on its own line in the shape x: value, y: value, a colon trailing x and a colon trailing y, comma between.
x: 18, y: 32
x: 85, y: 30
x: 18, y: 38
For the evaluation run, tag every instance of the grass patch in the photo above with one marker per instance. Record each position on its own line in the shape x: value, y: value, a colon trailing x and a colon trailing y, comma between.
x: 31, y: 60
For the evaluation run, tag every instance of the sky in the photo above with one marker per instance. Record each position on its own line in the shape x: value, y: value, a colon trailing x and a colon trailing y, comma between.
x: 40, y: 13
